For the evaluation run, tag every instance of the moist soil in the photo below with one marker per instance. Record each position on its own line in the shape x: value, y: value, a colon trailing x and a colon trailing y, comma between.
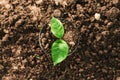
x: 96, y: 57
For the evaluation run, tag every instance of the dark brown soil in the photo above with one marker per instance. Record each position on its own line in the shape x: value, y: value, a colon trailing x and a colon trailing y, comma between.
x: 97, y: 56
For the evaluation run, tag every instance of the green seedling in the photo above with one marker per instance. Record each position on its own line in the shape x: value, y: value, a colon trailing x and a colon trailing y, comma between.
x: 59, y: 48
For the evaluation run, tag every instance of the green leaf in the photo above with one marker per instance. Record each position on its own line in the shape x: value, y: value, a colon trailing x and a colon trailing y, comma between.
x: 57, y: 28
x: 59, y: 51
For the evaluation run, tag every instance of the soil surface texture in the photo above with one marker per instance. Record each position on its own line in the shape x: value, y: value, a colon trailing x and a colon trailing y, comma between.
x: 94, y: 40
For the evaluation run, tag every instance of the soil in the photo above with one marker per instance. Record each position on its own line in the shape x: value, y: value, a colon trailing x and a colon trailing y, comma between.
x: 97, y: 56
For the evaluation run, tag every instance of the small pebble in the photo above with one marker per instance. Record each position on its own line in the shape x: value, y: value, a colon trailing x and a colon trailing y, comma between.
x: 97, y: 16
x: 118, y: 78
x: 72, y: 43
x: 6, y: 31
x: 39, y: 1
x: 46, y: 46
x: 116, y: 1
x: 7, y: 6
x: 57, y: 13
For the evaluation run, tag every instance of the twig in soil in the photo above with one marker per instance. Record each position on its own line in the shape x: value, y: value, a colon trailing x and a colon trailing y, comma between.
x: 41, y: 44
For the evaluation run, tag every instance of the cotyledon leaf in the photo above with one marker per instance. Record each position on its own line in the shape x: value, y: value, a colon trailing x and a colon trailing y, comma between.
x: 59, y: 51
x: 57, y: 28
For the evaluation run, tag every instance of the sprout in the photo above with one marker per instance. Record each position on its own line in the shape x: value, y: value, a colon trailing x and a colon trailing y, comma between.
x: 59, y: 48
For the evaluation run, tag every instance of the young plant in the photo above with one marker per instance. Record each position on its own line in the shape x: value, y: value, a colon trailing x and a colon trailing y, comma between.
x: 59, y: 48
